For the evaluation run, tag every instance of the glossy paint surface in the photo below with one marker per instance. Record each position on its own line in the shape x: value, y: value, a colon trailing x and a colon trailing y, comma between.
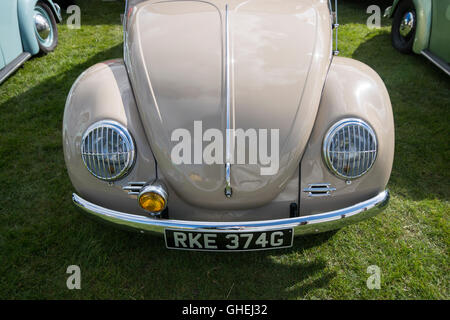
x: 104, y: 92
x: 280, y: 53
x: 423, y: 28
x: 352, y: 90
x: 10, y: 44
x: 440, y: 30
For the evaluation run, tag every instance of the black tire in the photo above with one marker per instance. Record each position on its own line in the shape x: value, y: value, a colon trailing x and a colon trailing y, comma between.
x: 402, y: 43
x: 45, y: 47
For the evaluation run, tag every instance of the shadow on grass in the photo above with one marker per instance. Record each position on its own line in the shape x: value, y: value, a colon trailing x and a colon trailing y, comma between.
x: 97, y: 12
x: 355, y: 11
x: 173, y: 274
x: 420, y: 96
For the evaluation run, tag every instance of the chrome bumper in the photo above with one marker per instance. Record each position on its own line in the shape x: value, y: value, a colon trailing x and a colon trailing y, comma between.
x: 302, y: 225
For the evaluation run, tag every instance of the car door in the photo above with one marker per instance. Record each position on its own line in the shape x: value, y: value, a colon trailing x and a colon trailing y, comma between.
x: 440, y: 30
x: 2, y: 61
x: 10, y: 40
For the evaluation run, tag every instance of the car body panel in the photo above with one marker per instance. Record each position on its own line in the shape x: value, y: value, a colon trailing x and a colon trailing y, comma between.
x: 280, y: 53
x: 103, y: 91
x: 176, y: 70
x: 10, y: 43
x: 352, y: 89
x: 440, y: 30
x: 2, y: 60
x: 423, y: 29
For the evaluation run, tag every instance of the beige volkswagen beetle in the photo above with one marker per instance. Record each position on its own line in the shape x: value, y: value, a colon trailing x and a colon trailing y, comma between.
x: 229, y: 126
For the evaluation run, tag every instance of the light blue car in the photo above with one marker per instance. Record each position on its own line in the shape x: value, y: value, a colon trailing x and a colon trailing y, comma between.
x: 27, y: 27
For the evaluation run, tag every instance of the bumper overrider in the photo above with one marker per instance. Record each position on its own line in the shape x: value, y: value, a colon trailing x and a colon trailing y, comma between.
x: 301, y: 225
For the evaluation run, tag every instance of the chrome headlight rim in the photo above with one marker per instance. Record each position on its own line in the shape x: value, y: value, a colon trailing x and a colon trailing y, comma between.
x: 126, y: 137
x: 336, y: 127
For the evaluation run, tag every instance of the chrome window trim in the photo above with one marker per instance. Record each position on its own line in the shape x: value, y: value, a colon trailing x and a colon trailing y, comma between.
x: 126, y: 138
x: 329, y: 137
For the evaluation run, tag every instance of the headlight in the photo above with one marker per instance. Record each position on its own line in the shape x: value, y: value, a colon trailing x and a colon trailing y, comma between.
x: 350, y: 148
x: 107, y: 150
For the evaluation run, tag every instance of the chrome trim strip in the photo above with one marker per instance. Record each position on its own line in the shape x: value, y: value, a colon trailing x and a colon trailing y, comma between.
x: 228, y: 189
x: 336, y: 27
x: 13, y: 66
x: 134, y: 188
x: 302, y: 225
x: 319, y: 189
x: 125, y: 34
x: 437, y: 61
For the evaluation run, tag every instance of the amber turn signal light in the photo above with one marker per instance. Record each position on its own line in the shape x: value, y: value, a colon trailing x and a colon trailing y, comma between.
x: 152, y: 202
x: 153, y: 198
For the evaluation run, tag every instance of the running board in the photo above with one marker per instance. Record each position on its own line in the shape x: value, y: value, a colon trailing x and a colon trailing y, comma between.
x: 13, y: 66
x: 444, y: 66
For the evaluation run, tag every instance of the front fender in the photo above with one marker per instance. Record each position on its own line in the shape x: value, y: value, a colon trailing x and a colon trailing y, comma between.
x: 389, y: 13
x: 423, y: 30
x: 103, y: 92
x: 352, y: 90
x: 56, y: 10
x: 25, y: 13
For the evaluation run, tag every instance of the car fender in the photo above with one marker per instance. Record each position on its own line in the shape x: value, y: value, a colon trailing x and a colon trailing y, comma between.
x: 423, y: 29
x: 389, y: 13
x: 25, y: 10
x: 352, y: 90
x: 103, y: 92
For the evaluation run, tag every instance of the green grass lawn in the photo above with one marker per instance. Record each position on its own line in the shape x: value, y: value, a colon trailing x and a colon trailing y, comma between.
x: 41, y: 233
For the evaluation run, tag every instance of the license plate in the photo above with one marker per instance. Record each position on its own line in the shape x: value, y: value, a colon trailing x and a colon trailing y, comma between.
x: 228, y: 240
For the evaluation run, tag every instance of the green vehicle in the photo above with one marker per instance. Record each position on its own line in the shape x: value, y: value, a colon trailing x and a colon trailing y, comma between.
x: 422, y: 27
x: 27, y: 27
